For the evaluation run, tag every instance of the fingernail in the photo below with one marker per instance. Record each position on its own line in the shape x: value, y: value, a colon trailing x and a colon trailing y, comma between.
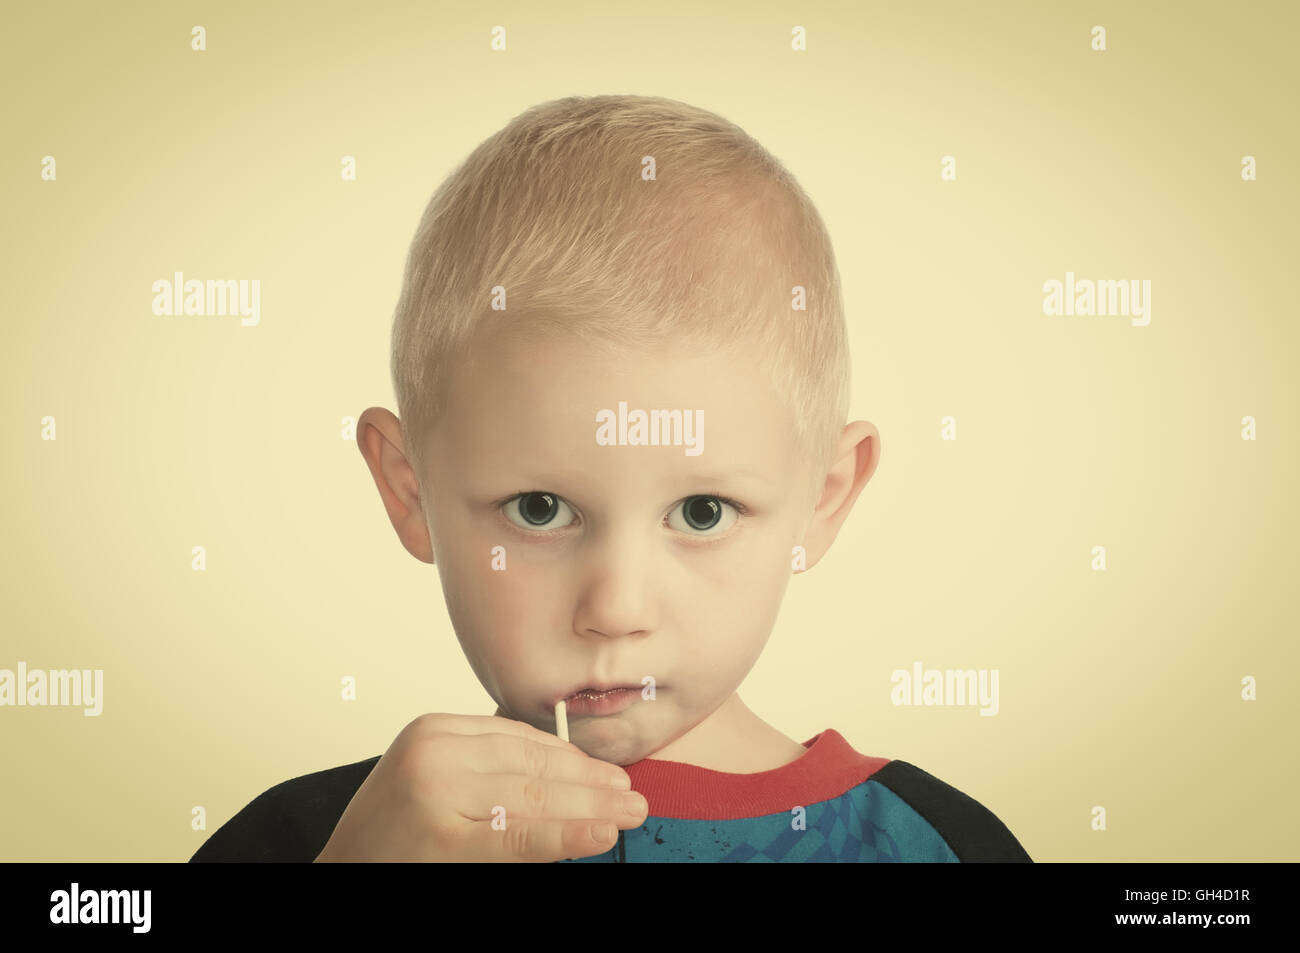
x: 634, y: 804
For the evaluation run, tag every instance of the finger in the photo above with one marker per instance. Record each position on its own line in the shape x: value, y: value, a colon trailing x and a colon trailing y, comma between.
x: 486, y: 724
x: 536, y: 840
x: 516, y: 796
x: 508, y: 754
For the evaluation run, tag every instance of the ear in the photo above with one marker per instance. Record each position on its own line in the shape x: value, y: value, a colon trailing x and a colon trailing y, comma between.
x: 853, y: 464
x: 379, y: 438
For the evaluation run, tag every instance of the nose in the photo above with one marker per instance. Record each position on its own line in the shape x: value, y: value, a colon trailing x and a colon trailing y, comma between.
x: 617, y: 588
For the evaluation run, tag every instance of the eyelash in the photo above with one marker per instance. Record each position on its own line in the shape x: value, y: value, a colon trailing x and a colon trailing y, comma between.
x: 740, y: 508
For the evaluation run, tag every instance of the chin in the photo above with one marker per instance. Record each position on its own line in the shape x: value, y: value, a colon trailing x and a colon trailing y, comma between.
x: 619, y: 751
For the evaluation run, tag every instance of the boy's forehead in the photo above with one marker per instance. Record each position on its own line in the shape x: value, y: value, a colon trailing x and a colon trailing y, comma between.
x: 538, y: 400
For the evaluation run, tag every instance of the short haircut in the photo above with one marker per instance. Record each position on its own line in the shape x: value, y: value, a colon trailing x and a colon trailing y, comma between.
x: 558, y: 209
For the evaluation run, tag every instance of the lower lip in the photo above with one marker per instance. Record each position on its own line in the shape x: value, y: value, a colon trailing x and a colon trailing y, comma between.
x: 606, y: 703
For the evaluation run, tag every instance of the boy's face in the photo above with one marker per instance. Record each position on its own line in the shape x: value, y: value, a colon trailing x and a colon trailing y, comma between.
x: 612, y: 579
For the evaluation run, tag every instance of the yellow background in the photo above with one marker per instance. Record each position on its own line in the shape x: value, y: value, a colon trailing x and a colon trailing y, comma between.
x: 1118, y: 688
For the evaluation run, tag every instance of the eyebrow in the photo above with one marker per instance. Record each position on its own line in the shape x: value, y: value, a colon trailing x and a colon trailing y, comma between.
x: 729, y: 475
x: 554, y: 478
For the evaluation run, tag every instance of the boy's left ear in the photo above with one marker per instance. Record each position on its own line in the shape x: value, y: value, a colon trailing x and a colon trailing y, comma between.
x: 856, y: 456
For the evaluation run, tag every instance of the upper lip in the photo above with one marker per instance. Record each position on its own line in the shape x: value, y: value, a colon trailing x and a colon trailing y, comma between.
x: 595, y: 687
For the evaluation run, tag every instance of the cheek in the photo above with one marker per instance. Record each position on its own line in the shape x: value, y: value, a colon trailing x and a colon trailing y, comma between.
x: 730, y: 609
x: 518, y: 613
x: 492, y: 610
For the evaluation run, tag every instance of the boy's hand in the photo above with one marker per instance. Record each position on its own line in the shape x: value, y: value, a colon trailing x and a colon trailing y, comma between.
x: 430, y: 797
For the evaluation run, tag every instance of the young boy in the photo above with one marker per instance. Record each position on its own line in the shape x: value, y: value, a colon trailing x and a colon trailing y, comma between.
x: 621, y: 366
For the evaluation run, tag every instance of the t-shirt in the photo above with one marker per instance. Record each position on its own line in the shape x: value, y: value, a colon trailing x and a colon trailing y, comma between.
x: 831, y: 804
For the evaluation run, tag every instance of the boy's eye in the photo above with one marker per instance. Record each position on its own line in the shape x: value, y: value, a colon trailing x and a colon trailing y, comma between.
x: 701, y: 515
x: 535, y: 510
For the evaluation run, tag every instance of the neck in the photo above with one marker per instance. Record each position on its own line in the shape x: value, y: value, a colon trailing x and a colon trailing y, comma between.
x: 732, y: 739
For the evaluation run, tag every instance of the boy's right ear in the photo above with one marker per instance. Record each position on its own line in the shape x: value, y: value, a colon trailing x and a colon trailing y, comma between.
x: 379, y: 438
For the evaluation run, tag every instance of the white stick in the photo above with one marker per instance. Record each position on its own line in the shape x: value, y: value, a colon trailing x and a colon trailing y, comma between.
x: 561, y: 720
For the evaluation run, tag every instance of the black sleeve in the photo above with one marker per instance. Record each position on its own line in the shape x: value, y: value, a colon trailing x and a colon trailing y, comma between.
x: 289, y: 823
x: 974, y: 833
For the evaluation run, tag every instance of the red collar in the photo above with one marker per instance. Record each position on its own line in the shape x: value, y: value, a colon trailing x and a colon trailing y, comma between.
x: 675, y: 789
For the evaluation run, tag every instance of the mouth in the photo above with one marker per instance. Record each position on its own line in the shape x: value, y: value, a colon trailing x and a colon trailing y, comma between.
x: 601, y: 699
x: 596, y: 691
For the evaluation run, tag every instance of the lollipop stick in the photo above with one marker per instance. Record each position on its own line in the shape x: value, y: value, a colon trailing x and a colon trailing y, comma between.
x: 561, y: 720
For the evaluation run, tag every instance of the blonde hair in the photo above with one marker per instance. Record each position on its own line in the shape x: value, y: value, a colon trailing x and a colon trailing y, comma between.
x: 556, y: 209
